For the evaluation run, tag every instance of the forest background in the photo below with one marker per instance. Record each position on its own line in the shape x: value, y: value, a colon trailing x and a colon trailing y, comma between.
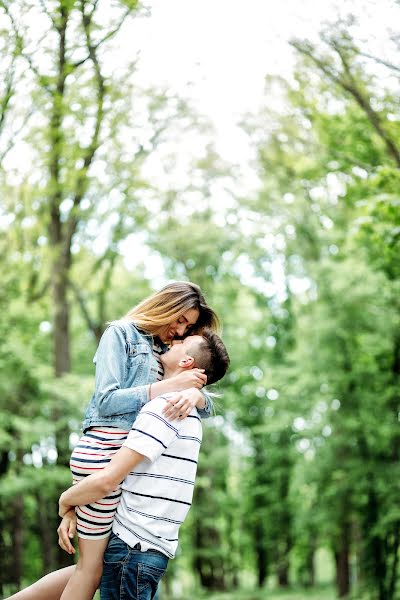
x: 110, y: 188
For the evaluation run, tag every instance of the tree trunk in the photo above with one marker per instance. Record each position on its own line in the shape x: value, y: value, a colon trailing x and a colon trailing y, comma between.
x: 46, y: 535
x: 210, y: 570
x: 17, y: 525
x: 4, y: 462
x: 283, y: 574
x: 62, y: 361
x: 342, y: 560
x: 342, y: 572
x: 310, y: 568
x: 283, y: 563
x: 395, y: 562
x: 261, y: 561
x: 342, y: 554
x: 375, y: 550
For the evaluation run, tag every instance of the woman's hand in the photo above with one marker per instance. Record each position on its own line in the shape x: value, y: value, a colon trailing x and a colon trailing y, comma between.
x: 193, y: 378
x: 63, y: 508
x: 66, y: 531
x: 181, y: 405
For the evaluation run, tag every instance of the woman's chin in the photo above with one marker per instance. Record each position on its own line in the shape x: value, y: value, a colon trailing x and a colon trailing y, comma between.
x: 166, y: 339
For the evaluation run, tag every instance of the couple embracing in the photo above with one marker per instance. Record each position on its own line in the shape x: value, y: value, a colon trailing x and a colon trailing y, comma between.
x: 134, y: 467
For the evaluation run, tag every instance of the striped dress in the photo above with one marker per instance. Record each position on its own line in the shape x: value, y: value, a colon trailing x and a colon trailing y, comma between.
x: 94, y: 450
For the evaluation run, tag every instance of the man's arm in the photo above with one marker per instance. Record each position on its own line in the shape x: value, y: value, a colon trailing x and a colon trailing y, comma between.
x: 98, y: 485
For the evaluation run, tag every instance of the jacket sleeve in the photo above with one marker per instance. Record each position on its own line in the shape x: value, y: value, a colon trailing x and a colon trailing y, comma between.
x: 111, y: 366
x: 208, y: 410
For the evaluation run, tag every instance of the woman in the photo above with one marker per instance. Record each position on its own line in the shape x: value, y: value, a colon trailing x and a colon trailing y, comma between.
x: 128, y: 374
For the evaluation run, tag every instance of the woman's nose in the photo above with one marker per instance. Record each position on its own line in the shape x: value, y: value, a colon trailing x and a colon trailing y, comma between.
x: 180, y: 330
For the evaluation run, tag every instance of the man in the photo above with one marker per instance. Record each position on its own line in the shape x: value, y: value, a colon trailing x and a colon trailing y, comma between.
x: 157, y: 464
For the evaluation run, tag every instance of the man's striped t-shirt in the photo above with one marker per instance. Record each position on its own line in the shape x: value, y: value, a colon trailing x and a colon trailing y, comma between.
x: 157, y: 494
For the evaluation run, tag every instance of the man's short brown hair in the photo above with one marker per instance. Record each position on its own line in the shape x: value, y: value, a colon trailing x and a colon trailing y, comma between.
x: 210, y: 355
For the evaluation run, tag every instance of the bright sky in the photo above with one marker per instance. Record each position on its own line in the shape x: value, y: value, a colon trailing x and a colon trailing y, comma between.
x: 219, y: 51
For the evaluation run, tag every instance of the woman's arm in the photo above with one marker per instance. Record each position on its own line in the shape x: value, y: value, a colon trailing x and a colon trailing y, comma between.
x: 181, y: 405
x: 205, y: 406
x: 111, y: 366
x: 194, y: 378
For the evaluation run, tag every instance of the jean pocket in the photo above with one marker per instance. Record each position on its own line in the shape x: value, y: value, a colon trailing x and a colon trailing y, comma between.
x: 117, y: 551
x: 150, y: 573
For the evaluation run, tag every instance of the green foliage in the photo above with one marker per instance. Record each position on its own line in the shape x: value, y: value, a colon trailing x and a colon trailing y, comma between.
x: 303, y: 456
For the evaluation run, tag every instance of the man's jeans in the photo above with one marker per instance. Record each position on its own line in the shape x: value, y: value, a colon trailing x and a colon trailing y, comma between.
x: 128, y: 573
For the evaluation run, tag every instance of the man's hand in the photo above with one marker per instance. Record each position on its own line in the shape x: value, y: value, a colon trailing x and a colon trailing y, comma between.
x: 181, y: 405
x: 66, y: 531
x: 63, y: 508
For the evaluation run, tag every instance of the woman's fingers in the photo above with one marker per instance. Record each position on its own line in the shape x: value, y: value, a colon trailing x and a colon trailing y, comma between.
x: 179, y: 407
x: 199, y: 375
x: 66, y: 530
x: 185, y: 413
x: 203, y: 378
x: 199, y: 380
x: 64, y: 542
x: 171, y: 411
x: 72, y: 529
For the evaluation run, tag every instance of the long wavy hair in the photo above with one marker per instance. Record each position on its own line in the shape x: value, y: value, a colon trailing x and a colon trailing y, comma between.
x: 167, y: 305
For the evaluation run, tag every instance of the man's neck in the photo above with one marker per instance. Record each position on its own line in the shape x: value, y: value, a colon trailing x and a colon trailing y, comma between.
x: 168, y: 373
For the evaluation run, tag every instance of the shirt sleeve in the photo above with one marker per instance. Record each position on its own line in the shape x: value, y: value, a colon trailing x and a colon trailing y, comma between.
x: 152, y: 433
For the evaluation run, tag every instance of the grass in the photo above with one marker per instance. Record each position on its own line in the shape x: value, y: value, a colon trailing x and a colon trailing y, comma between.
x: 317, y: 593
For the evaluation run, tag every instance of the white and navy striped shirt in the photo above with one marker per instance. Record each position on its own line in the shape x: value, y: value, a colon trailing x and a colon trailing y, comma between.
x: 157, y: 495
x: 157, y: 353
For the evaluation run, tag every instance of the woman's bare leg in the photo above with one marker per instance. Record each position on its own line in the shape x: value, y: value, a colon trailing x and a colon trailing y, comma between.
x: 50, y: 587
x: 86, y: 577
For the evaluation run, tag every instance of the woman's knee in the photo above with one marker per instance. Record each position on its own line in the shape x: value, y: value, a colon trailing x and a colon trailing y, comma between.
x: 90, y: 566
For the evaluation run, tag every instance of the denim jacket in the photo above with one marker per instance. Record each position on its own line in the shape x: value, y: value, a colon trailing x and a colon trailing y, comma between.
x: 125, y: 366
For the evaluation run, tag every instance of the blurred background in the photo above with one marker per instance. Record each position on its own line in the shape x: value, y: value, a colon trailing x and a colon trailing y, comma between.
x: 253, y: 148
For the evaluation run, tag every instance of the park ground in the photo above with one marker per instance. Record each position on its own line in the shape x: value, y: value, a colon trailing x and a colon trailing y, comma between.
x: 318, y: 593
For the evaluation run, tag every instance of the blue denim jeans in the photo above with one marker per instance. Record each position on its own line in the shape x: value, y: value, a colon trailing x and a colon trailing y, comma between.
x: 129, y: 573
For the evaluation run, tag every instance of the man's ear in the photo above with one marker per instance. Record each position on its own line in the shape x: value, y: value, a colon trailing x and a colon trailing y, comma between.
x: 187, y: 362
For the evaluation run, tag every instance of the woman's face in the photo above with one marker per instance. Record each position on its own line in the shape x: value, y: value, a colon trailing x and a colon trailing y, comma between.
x: 180, y: 327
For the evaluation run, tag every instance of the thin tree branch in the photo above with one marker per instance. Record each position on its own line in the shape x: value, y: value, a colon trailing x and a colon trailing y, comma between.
x: 8, y: 94
x: 10, y: 74
x: 351, y: 87
x: 82, y: 179
x: 15, y: 135
x: 108, y: 36
x: 36, y: 294
x: 105, y: 287
x: 381, y: 61
x: 92, y: 326
x: 55, y: 226
x: 48, y: 14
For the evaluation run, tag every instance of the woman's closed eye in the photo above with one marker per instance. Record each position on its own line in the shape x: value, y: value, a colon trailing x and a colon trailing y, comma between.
x: 182, y: 321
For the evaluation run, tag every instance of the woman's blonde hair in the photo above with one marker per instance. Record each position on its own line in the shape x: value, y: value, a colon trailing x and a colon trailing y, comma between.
x: 169, y: 304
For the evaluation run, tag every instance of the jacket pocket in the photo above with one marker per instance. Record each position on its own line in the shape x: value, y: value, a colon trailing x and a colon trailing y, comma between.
x: 138, y: 354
